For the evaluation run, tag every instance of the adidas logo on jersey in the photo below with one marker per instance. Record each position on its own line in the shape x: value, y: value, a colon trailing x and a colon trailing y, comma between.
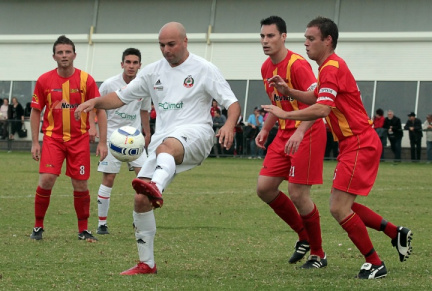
x: 158, y: 86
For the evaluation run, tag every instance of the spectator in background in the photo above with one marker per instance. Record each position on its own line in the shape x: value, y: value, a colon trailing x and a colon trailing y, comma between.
x: 152, y: 119
x: 378, y: 123
x: 394, y: 133
x: 27, y: 110
x: 255, y: 120
x: 4, y: 116
x: 238, y: 139
x: 427, y: 126
x: 218, y: 121
x: 16, y: 117
x: 214, y: 107
x: 414, y: 127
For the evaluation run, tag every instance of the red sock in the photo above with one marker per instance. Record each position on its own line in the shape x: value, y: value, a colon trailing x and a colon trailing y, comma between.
x: 285, y: 209
x: 373, y: 220
x: 82, y: 209
x: 312, y: 225
x: 358, y: 234
x: 42, y: 201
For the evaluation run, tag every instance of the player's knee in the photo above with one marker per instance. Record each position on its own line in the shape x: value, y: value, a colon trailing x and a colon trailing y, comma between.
x: 265, y: 193
x: 46, y: 181
x: 142, y: 203
x: 337, y: 212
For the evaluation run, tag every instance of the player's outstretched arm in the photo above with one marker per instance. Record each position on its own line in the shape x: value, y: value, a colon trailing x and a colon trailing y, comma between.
x: 310, y: 113
x: 226, y: 132
x: 108, y: 101
x: 307, y: 97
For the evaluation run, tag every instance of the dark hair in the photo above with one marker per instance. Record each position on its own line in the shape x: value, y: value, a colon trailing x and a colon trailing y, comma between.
x: 62, y: 39
x: 327, y: 27
x: 279, y: 22
x: 218, y: 111
x: 131, y: 51
x: 379, y: 112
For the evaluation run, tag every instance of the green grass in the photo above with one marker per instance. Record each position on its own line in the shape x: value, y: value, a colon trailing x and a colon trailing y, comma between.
x: 213, y: 233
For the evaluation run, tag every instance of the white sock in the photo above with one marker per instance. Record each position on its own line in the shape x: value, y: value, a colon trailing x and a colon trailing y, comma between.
x: 145, y: 231
x: 165, y: 170
x: 103, y: 203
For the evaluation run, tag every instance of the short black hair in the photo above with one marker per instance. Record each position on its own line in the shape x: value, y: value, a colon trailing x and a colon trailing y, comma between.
x: 379, y: 112
x: 327, y: 27
x: 62, y: 39
x: 278, y: 21
x: 131, y: 51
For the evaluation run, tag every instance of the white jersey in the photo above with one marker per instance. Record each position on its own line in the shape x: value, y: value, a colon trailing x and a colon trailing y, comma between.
x: 182, y: 95
x: 128, y: 114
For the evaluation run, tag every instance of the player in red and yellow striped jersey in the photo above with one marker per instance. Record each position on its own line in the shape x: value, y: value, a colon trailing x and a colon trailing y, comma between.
x: 59, y: 92
x: 339, y: 100
x: 302, y: 164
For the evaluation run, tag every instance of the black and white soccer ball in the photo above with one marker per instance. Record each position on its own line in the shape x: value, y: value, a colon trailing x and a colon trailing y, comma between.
x: 126, y: 143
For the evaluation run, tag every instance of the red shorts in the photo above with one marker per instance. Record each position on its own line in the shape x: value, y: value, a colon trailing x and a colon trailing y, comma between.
x: 76, y: 152
x: 306, y: 165
x: 358, y: 162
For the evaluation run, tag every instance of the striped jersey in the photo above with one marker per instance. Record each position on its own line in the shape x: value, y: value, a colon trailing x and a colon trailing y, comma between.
x: 298, y: 74
x: 60, y: 97
x: 338, y: 89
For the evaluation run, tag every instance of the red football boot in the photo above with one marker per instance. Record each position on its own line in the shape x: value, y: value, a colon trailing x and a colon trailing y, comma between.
x: 140, y: 268
x: 150, y: 190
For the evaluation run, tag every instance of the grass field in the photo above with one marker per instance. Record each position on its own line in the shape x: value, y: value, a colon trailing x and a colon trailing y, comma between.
x: 213, y: 233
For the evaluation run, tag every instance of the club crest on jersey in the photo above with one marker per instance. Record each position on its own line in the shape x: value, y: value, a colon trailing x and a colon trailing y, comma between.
x: 36, y: 99
x: 188, y: 82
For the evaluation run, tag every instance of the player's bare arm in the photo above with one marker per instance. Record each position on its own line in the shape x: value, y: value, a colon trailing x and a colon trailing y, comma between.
x: 293, y: 144
x: 102, y: 149
x: 307, y: 97
x: 311, y: 113
x: 226, y: 132
x: 92, y: 130
x: 35, y: 116
x: 262, y: 136
x: 108, y: 101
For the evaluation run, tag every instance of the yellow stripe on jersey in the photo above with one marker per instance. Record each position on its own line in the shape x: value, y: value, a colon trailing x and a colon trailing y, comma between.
x: 331, y: 128
x: 330, y: 63
x: 66, y: 111
x: 294, y: 103
x: 342, y: 122
x: 282, y: 122
x: 48, y: 130
x: 83, y: 87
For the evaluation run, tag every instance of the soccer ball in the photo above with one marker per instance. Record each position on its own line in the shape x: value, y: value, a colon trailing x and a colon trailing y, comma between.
x: 126, y: 143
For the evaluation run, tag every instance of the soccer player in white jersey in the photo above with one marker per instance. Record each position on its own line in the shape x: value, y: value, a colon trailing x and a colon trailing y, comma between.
x: 134, y: 114
x: 182, y: 86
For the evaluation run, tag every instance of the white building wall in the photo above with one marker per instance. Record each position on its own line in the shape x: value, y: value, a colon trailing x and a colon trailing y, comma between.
x: 238, y: 56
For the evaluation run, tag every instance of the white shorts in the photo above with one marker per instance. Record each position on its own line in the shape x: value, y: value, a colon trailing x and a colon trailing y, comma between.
x: 112, y: 165
x: 197, y: 141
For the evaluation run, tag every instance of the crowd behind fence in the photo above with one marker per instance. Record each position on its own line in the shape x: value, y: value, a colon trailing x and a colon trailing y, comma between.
x: 21, y: 141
